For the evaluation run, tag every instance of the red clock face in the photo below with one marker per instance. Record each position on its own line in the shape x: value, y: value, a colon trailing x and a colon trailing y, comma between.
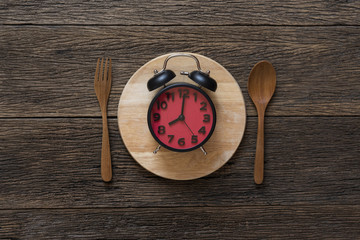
x: 181, y: 117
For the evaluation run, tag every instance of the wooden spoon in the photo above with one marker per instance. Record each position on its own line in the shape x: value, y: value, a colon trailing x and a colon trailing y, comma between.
x: 261, y: 87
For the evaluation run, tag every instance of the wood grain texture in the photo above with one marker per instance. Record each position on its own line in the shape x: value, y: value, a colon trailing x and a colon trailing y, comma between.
x: 48, y: 71
x: 249, y: 222
x: 173, y: 12
x: 50, y: 123
x: 55, y: 163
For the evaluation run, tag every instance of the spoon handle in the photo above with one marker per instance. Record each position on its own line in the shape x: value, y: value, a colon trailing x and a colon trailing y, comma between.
x: 259, y: 156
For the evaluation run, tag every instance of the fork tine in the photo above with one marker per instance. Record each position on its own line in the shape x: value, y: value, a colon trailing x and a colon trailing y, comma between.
x: 105, y: 70
x: 97, y: 70
x: 101, y: 69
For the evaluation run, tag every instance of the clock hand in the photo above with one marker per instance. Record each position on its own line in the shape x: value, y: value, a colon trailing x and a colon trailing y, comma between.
x: 189, y: 128
x: 202, y: 148
x: 182, y: 106
x: 181, y: 116
x: 174, y: 121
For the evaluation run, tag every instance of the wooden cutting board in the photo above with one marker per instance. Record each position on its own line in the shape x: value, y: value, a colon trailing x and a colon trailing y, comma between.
x: 229, y: 130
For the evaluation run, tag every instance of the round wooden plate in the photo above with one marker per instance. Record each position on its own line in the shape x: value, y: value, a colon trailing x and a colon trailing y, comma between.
x: 229, y: 130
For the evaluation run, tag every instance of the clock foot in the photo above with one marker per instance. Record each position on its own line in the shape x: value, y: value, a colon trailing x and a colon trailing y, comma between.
x: 157, y: 149
x: 203, y: 150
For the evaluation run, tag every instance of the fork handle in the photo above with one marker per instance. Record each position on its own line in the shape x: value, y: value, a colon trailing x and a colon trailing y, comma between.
x: 106, y: 171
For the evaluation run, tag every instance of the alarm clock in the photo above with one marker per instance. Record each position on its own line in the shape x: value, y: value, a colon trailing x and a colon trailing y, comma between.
x: 181, y: 117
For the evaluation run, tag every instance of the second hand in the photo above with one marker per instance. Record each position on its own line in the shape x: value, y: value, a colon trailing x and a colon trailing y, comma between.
x: 189, y: 128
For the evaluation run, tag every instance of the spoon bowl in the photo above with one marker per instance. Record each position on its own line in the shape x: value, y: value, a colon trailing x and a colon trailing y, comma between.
x: 261, y: 87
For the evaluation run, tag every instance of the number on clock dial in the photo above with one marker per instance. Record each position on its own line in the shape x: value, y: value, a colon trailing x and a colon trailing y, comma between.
x: 190, y: 114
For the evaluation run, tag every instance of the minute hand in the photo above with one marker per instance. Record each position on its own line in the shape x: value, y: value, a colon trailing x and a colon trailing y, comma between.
x: 182, y: 106
x: 181, y: 116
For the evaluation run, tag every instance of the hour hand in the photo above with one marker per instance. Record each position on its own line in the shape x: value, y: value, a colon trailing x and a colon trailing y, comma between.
x: 174, y: 121
x: 180, y: 118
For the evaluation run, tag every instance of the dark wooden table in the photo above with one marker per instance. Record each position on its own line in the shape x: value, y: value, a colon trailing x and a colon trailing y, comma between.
x: 50, y: 121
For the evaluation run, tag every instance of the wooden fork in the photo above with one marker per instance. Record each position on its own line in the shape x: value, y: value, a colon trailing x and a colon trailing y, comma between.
x: 102, y: 85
